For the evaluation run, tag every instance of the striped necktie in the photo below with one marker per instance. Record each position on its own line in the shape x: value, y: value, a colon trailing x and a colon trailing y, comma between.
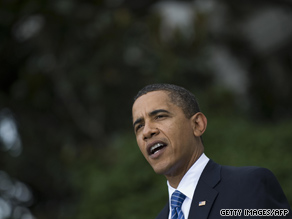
x: 177, y: 198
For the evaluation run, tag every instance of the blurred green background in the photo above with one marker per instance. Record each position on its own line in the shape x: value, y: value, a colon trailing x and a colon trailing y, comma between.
x: 69, y: 70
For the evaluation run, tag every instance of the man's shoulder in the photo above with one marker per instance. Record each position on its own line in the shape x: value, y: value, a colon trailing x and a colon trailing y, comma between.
x: 249, y: 187
x: 238, y: 176
x: 245, y: 170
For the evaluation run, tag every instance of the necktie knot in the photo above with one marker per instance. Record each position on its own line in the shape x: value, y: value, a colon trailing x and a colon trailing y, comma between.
x: 177, y: 198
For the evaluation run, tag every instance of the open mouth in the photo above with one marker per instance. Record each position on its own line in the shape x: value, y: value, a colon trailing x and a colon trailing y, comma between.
x: 155, y: 148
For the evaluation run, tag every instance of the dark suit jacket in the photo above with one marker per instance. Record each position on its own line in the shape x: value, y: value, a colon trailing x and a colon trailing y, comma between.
x: 226, y: 187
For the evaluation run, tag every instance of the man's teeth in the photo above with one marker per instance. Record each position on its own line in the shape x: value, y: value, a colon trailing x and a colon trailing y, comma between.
x: 153, y: 148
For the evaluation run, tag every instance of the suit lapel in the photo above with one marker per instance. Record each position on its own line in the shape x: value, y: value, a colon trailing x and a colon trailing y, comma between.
x: 164, y: 213
x: 205, y: 191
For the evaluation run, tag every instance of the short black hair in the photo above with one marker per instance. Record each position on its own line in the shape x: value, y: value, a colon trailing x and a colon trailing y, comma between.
x: 178, y: 96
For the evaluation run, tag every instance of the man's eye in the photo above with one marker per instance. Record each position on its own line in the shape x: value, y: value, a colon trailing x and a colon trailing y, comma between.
x: 159, y: 116
x: 138, y: 127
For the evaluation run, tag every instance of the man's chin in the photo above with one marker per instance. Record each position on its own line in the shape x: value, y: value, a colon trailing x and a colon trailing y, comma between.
x: 161, y: 170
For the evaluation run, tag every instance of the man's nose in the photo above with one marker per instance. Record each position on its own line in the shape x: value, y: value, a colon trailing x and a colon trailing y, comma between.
x: 149, y: 131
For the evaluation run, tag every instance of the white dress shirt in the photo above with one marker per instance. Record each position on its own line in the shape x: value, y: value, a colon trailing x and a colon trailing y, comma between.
x: 188, y: 184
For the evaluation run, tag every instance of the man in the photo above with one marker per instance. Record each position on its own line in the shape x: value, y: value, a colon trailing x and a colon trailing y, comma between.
x: 168, y: 126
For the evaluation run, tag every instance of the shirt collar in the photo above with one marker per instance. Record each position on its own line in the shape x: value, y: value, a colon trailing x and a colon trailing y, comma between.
x: 190, y: 180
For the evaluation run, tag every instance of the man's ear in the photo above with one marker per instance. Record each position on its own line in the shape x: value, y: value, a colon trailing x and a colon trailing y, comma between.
x: 199, y: 123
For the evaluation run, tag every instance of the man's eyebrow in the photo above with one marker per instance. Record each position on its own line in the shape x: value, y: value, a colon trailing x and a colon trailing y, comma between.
x: 137, y: 121
x: 152, y: 113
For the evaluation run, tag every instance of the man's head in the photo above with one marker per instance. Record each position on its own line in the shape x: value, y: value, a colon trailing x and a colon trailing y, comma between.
x: 168, y: 127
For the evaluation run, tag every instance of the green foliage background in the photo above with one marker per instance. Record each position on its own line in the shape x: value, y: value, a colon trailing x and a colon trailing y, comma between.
x: 69, y: 85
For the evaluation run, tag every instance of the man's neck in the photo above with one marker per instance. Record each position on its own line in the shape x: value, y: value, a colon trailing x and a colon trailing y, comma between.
x: 176, y: 176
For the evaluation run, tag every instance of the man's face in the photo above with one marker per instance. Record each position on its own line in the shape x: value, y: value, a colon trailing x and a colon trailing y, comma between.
x: 163, y: 133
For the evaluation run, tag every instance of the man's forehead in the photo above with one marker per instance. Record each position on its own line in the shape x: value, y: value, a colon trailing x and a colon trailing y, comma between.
x: 151, y: 101
x: 152, y: 94
x: 153, y: 97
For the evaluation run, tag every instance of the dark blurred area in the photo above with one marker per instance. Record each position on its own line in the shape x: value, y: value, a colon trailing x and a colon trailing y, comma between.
x: 69, y: 71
